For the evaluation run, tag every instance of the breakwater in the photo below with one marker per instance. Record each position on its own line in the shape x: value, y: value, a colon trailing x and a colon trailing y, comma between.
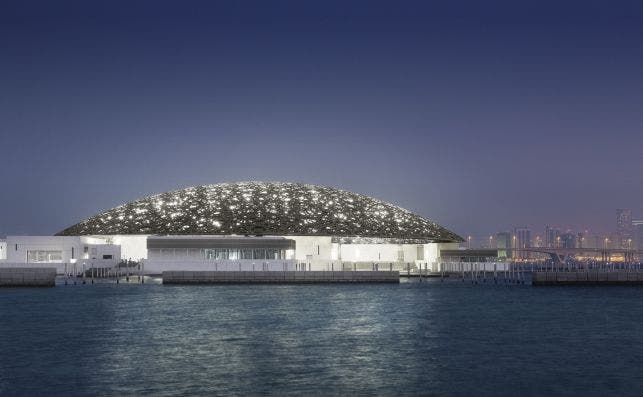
x: 27, y: 277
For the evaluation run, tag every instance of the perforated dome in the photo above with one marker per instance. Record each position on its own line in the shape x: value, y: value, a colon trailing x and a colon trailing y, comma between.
x: 263, y: 208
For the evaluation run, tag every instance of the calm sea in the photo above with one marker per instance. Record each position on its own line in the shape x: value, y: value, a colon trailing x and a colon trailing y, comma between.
x: 430, y: 338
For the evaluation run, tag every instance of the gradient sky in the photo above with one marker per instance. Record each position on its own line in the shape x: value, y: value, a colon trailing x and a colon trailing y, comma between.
x: 479, y: 115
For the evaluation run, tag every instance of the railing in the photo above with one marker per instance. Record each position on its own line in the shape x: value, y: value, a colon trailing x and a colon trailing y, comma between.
x: 157, y: 266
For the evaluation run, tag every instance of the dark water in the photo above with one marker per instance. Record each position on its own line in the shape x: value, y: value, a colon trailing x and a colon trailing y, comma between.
x: 408, y: 339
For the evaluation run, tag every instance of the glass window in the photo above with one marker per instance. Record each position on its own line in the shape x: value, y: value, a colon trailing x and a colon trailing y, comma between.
x: 243, y: 253
x: 55, y: 256
x: 233, y: 254
x: 246, y: 254
x: 271, y: 253
x: 44, y: 256
x: 260, y: 254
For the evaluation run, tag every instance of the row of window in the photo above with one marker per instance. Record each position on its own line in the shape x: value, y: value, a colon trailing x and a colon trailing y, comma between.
x: 219, y: 253
x: 44, y: 256
x: 245, y: 253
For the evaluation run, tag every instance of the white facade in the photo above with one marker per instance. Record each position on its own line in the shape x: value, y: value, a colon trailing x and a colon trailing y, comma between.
x: 133, y: 247
x: 312, y: 252
x: 59, y: 251
x: 158, y: 266
x: 321, y: 251
x: 3, y: 250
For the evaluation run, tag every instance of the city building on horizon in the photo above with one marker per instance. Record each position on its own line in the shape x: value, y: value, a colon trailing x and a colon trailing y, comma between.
x: 580, y: 240
x: 638, y: 230
x: 552, y: 237
x: 624, y: 228
x: 522, y: 239
x: 503, y: 243
x: 568, y: 240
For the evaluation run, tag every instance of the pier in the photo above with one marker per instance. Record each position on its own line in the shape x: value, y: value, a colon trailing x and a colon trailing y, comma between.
x: 547, y: 278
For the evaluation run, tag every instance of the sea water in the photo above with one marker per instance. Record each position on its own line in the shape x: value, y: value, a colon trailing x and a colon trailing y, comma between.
x: 412, y: 338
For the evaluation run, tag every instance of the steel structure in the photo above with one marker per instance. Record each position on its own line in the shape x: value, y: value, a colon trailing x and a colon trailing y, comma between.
x: 264, y: 208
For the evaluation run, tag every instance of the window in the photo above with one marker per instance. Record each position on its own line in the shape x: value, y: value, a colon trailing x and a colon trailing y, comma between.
x: 272, y: 253
x: 233, y: 254
x: 420, y: 252
x: 44, y: 256
x: 218, y: 253
x: 243, y: 253
x: 107, y: 256
x: 246, y: 254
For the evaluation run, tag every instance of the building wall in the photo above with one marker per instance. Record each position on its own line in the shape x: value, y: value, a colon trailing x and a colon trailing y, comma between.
x: 18, y: 246
x: 71, y: 248
x: 314, y: 249
x: 321, y: 251
x: 377, y: 253
x: 133, y: 247
x: 3, y: 250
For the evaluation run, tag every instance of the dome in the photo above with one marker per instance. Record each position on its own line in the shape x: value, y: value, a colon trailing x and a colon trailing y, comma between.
x: 263, y: 208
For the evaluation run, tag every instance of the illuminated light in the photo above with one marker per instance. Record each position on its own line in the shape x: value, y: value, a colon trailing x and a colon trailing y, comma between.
x: 324, y: 211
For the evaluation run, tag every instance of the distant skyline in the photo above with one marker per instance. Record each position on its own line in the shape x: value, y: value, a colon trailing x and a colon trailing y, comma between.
x: 482, y: 116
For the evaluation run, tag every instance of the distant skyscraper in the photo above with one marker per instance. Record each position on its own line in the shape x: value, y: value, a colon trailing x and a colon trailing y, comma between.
x: 580, y: 240
x: 538, y: 242
x: 624, y: 228
x: 552, y: 237
x: 522, y: 239
x: 503, y: 242
x: 638, y: 230
x: 568, y: 240
x: 592, y: 240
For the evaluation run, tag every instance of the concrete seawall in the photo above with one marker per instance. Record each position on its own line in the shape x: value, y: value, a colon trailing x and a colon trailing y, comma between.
x: 279, y: 277
x: 27, y: 277
x: 587, y: 278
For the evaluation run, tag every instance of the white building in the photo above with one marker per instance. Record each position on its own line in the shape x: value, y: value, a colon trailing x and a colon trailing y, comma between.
x: 242, y: 226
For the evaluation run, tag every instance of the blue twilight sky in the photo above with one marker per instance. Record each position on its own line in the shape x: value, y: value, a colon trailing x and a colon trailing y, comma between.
x: 481, y: 115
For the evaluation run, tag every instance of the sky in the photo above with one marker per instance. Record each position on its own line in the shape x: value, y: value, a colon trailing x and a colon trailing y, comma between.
x: 481, y: 116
